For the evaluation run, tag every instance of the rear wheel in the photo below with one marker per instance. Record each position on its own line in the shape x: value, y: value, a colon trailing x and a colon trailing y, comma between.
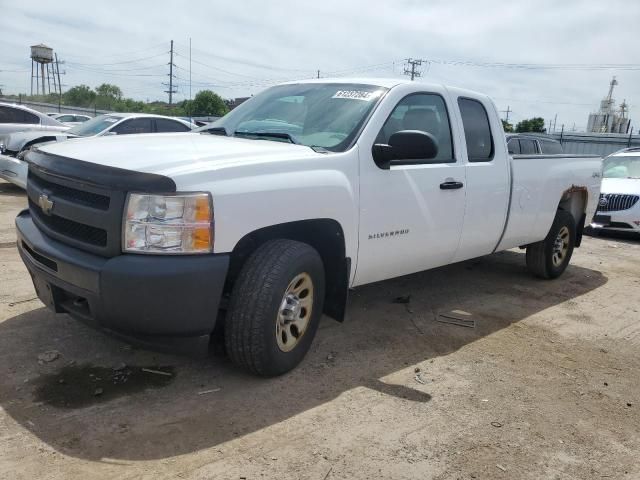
x: 275, y: 307
x: 550, y: 257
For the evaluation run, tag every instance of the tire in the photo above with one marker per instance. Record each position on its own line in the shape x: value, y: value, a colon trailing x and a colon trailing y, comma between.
x: 549, y: 258
x: 260, y: 332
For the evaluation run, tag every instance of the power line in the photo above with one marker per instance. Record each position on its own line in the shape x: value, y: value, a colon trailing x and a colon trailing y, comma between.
x: 119, y: 63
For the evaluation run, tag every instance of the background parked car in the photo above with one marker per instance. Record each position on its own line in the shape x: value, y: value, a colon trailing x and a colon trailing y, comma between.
x: 619, y: 205
x: 523, y: 144
x: 17, y: 118
x: 13, y: 168
x: 71, y: 119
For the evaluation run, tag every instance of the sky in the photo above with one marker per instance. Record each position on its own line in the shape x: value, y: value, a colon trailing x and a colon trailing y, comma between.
x: 239, y: 48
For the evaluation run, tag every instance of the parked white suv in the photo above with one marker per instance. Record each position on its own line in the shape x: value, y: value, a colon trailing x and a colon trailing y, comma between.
x: 619, y: 204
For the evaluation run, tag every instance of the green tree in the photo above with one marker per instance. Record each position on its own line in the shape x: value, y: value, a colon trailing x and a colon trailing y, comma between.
x: 535, y: 124
x: 108, y: 96
x: 79, y: 96
x: 110, y: 91
x: 206, y: 102
x: 506, y: 126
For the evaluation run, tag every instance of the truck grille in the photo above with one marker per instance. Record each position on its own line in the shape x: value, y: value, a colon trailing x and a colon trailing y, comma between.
x: 82, y: 215
x: 69, y: 228
x: 613, y: 202
x: 86, y: 198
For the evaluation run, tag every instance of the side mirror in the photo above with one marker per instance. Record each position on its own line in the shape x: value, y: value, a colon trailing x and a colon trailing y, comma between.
x: 404, y: 147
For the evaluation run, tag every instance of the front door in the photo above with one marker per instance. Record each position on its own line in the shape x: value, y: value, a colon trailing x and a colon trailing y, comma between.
x: 411, y: 215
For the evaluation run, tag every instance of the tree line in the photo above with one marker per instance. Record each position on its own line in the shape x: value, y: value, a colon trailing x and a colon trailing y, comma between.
x: 535, y: 124
x: 110, y: 97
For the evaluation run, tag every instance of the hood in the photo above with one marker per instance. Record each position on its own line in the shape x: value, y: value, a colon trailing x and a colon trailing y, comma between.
x: 621, y: 185
x: 174, y: 154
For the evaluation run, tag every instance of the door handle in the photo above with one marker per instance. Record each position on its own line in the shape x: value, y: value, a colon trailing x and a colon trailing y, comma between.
x: 451, y: 185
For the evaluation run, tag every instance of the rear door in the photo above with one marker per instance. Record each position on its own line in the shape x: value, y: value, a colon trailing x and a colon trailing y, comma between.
x: 168, y: 125
x: 409, y: 219
x: 488, y: 177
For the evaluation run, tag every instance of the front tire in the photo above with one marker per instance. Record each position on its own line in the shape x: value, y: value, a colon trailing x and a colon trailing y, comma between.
x: 550, y: 257
x: 275, y: 307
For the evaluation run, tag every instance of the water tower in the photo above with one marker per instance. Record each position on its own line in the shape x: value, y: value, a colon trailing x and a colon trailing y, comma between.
x: 42, y: 56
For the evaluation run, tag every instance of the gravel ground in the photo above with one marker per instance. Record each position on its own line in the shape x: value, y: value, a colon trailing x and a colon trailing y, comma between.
x: 544, y: 386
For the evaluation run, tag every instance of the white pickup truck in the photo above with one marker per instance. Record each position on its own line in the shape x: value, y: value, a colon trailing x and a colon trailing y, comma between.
x: 263, y: 220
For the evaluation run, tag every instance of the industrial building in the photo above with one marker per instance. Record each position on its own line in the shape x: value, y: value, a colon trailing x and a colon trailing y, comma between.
x: 607, y: 119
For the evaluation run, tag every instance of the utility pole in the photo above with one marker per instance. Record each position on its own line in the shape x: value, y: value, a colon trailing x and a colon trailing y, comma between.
x: 410, y: 67
x: 318, y: 74
x: 507, y: 111
x: 58, y: 72
x: 555, y: 120
x: 171, y: 91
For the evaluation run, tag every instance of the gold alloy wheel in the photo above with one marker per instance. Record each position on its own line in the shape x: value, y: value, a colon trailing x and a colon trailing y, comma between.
x: 560, y: 247
x: 295, y: 312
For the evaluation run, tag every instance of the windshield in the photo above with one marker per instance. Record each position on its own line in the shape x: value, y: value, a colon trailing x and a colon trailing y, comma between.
x: 622, y: 167
x: 324, y: 115
x: 94, y: 126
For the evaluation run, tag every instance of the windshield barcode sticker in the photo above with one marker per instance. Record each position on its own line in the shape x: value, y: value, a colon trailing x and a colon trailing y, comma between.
x: 357, y: 95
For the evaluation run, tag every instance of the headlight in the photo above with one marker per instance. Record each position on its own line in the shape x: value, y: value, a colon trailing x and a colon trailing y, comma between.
x: 168, y: 224
x: 3, y: 148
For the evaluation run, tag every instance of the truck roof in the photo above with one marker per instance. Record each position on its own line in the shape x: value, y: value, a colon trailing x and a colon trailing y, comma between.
x: 383, y: 82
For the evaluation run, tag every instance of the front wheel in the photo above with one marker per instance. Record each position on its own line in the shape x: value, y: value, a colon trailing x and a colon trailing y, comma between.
x: 550, y: 257
x: 275, y: 307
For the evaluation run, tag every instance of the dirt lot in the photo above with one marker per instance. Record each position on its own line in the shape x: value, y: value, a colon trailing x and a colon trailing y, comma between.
x: 545, y: 386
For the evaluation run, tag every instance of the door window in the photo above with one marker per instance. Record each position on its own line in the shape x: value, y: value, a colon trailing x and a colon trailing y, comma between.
x: 427, y: 113
x: 165, y: 125
x: 514, y: 146
x: 477, y: 131
x: 528, y: 146
x: 17, y: 115
x: 134, y: 125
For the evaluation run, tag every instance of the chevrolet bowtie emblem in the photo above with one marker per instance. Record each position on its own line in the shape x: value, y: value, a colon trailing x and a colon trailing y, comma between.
x: 45, y: 204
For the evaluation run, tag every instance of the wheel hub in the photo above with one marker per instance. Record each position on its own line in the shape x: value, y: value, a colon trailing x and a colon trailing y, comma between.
x: 295, y: 312
x: 560, y: 247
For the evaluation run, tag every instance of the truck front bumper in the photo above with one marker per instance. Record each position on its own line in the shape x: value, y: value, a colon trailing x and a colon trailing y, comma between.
x: 163, y: 302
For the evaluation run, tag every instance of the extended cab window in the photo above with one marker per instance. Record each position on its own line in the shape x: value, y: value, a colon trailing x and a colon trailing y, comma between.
x: 477, y: 131
x: 134, y: 125
x: 425, y: 112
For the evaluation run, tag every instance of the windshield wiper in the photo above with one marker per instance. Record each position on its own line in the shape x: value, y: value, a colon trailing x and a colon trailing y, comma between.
x: 318, y: 149
x: 282, y: 135
x: 216, y: 131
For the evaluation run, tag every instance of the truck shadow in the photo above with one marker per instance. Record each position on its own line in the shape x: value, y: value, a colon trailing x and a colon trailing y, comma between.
x: 208, y: 402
